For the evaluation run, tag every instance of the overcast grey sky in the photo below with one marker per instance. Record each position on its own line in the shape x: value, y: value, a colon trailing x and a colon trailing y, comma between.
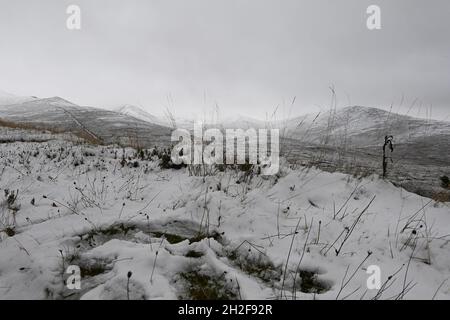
x: 248, y: 56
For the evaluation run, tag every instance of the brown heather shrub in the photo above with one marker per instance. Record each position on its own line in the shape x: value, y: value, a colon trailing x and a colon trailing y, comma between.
x: 442, y: 196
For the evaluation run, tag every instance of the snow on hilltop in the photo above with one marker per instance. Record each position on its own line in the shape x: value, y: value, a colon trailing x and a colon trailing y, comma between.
x: 241, y: 122
x: 303, y: 234
x: 107, y: 126
x: 231, y: 122
x: 8, y: 98
x: 363, y: 126
x: 140, y: 114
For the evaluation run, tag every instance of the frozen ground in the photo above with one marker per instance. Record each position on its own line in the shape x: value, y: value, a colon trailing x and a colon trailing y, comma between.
x: 304, y: 234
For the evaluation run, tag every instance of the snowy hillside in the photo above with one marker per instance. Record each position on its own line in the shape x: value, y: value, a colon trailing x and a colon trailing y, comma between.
x: 140, y: 114
x: 240, y: 122
x: 230, y: 122
x: 8, y: 98
x: 302, y: 234
x: 60, y: 115
x: 362, y: 126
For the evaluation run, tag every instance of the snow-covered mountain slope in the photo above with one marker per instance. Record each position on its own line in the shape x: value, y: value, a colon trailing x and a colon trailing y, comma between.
x: 240, y: 122
x: 362, y: 126
x: 302, y: 234
x: 8, y: 98
x: 354, y: 126
x: 107, y: 126
x: 222, y: 123
x: 140, y: 114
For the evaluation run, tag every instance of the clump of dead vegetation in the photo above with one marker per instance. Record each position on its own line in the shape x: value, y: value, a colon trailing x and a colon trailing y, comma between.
x: 8, y: 210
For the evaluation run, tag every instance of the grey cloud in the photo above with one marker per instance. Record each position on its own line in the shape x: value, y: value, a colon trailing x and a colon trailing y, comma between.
x: 247, y: 55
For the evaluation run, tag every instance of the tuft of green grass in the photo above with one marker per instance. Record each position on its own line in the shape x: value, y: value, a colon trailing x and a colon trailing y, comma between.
x: 445, y: 182
x: 201, y: 286
x: 171, y: 238
x: 194, y: 254
x: 310, y: 284
x: 257, y: 265
x: 92, y: 268
x: 201, y: 235
x: 10, y: 232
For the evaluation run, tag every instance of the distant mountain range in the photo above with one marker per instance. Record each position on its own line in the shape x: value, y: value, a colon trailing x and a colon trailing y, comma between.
x: 140, y: 114
x: 233, y: 122
x: 8, y: 98
x: 351, y: 126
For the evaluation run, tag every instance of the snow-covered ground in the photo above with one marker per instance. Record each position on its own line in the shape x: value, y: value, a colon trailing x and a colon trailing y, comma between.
x: 304, y: 234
